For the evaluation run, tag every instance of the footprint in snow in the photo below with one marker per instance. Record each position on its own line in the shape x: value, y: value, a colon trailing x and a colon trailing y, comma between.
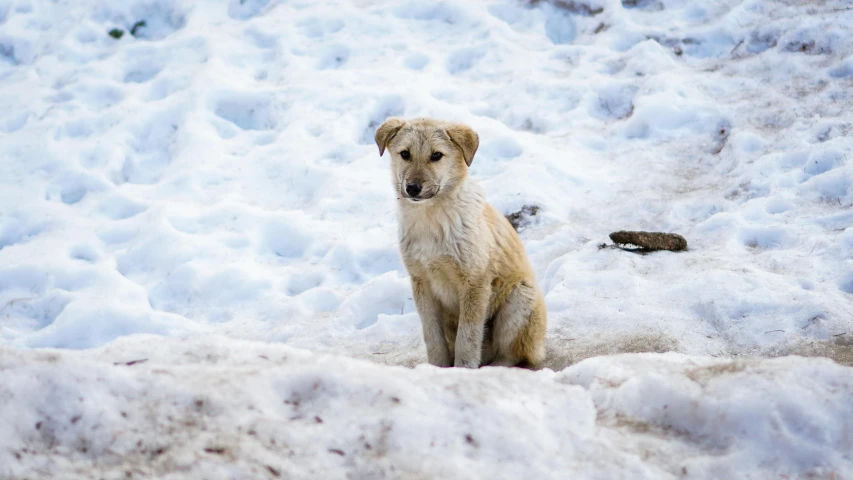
x: 317, y: 27
x: 150, y: 150
x: 464, y: 59
x: 164, y: 86
x: 284, y: 239
x: 416, y: 61
x: 846, y: 284
x: 16, y: 51
x: 820, y: 162
x: 142, y: 63
x: 385, y: 107
x: 85, y: 253
x: 503, y: 148
x: 141, y: 72
x: 69, y: 189
x: 15, y: 229
x: 333, y: 57
x: 321, y: 299
x: 650, y: 5
x: 561, y: 29
x: 248, y: 111
x: 34, y: 299
x: 765, y: 237
x: 261, y: 39
x: 305, y: 281
x: 117, y: 207
x: 99, y: 96
x: 761, y: 40
x: 245, y: 9
x: 613, y: 102
x: 14, y: 122
x: 844, y: 70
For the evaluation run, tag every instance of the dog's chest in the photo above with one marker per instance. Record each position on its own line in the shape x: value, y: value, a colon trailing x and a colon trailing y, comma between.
x: 435, y: 252
x: 428, y: 242
x: 429, y: 249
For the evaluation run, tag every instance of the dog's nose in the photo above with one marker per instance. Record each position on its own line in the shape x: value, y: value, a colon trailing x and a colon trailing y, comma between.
x: 413, y: 189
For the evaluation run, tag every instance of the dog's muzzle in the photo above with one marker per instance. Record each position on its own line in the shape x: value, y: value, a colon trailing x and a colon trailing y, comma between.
x: 414, y: 192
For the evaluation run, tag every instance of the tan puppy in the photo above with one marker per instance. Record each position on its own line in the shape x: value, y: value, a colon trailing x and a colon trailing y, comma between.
x: 474, y: 289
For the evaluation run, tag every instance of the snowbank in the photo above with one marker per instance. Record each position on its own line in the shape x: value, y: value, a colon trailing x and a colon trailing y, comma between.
x: 146, y: 407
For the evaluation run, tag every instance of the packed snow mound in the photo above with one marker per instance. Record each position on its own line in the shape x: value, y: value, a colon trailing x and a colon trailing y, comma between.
x: 217, y: 408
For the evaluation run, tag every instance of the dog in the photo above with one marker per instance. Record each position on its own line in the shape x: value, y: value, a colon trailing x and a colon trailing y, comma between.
x: 473, y: 286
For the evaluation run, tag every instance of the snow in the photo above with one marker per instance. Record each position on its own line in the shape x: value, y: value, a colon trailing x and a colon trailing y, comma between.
x: 212, y: 179
x: 214, y: 407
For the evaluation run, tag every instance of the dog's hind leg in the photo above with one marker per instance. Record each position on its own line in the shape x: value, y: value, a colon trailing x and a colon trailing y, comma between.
x: 490, y: 351
x: 519, y: 334
x: 450, y: 322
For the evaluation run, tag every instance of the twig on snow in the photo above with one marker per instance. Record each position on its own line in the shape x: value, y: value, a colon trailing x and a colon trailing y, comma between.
x: 736, y: 46
x: 132, y: 362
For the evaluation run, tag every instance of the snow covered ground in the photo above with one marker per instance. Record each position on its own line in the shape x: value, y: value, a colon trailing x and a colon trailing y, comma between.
x: 213, y: 175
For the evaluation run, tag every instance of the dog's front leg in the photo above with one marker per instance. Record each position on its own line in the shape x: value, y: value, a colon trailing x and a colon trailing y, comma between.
x: 430, y: 312
x: 472, y: 321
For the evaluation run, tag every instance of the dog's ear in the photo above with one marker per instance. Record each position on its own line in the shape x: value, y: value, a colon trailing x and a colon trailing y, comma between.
x: 465, y: 140
x: 386, y: 132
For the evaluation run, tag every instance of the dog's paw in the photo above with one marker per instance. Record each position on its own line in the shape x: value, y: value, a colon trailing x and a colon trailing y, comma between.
x: 459, y: 363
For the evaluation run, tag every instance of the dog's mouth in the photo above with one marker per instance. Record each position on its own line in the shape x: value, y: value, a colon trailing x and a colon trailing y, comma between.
x: 421, y: 197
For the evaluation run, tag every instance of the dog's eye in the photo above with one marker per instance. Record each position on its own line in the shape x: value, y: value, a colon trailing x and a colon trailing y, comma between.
x: 405, y: 154
x: 436, y: 156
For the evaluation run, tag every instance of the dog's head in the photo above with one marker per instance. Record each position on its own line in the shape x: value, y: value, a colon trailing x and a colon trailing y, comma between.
x: 429, y: 158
